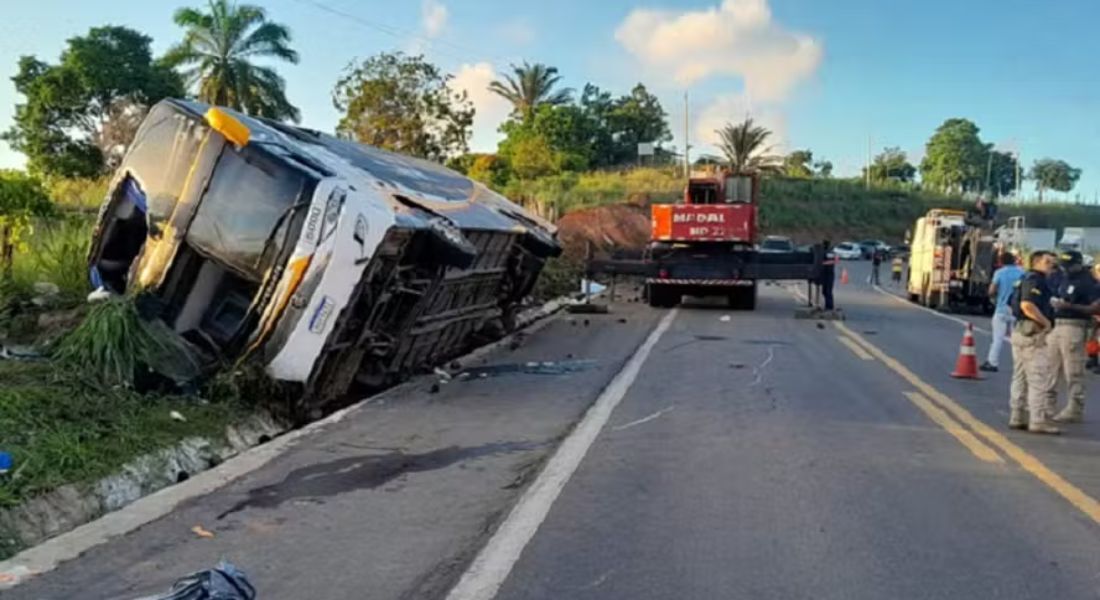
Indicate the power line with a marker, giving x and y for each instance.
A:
(405, 34)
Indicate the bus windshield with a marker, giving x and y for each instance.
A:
(248, 199)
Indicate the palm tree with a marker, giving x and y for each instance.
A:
(743, 145)
(532, 86)
(217, 51)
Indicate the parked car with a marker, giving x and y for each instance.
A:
(774, 244)
(868, 248)
(899, 250)
(848, 251)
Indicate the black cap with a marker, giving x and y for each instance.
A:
(1071, 258)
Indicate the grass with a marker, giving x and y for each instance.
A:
(62, 428)
(560, 277)
(115, 346)
(805, 208)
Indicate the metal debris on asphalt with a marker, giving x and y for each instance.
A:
(548, 367)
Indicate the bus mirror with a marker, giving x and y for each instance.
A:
(232, 129)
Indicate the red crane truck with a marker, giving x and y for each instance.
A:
(706, 246)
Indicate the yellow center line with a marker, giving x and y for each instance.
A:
(855, 348)
(1074, 495)
(952, 426)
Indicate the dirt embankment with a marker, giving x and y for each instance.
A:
(608, 228)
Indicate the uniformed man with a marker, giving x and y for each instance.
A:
(1033, 378)
(1075, 302)
(828, 274)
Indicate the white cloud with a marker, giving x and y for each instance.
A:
(734, 108)
(736, 38)
(491, 109)
(433, 17)
(518, 32)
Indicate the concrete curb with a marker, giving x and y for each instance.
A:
(48, 555)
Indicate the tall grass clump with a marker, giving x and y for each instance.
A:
(117, 347)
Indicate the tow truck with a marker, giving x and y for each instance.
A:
(706, 246)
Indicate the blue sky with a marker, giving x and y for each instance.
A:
(826, 75)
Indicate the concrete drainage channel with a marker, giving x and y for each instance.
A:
(66, 522)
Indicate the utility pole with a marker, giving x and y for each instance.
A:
(867, 168)
(1018, 175)
(687, 142)
(989, 172)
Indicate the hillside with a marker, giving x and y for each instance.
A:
(608, 209)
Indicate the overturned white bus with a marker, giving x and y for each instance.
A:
(328, 261)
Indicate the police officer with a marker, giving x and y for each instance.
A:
(1033, 379)
(1074, 302)
(828, 274)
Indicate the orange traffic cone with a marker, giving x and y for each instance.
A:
(844, 277)
(966, 367)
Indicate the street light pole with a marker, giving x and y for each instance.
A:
(687, 142)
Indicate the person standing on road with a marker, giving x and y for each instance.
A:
(828, 274)
(1033, 377)
(876, 262)
(1075, 302)
(895, 271)
(1092, 346)
(1000, 290)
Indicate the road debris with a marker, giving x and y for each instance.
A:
(201, 532)
(434, 389)
(224, 582)
(548, 367)
(725, 318)
(19, 353)
(645, 419)
(443, 374)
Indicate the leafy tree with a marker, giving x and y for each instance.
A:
(404, 104)
(823, 169)
(798, 164)
(218, 51)
(745, 147)
(1053, 174)
(532, 156)
(636, 118)
(530, 86)
(80, 114)
(491, 170)
(955, 158)
(21, 198)
(892, 164)
(1002, 173)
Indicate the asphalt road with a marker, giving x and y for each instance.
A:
(811, 475)
(755, 456)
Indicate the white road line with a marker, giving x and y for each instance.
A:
(645, 419)
(495, 561)
(962, 322)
